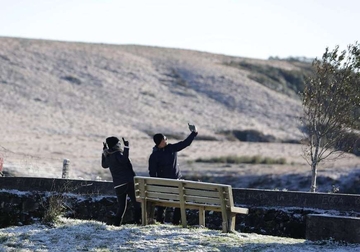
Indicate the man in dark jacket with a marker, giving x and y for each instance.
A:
(163, 164)
(123, 176)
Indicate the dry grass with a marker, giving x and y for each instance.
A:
(61, 100)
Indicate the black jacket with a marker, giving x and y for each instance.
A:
(163, 162)
(120, 165)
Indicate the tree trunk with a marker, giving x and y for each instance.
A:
(313, 176)
(314, 165)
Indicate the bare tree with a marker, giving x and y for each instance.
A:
(330, 98)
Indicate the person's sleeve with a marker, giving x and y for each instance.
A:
(131, 167)
(126, 151)
(183, 144)
(104, 162)
(152, 166)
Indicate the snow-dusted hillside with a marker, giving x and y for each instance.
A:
(61, 100)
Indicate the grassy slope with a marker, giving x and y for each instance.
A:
(60, 100)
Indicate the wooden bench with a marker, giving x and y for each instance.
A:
(186, 194)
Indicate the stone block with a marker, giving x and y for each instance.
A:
(330, 227)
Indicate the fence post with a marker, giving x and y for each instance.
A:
(65, 171)
(1, 166)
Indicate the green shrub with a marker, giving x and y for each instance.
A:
(54, 207)
(289, 82)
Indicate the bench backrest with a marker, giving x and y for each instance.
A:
(191, 194)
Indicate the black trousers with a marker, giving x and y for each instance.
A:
(160, 215)
(121, 193)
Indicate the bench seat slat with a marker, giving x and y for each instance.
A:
(188, 199)
(163, 203)
(202, 200)
(202, 193)
(192, 201)
(157, 181)
(203, 186)
(192, 206)
(193, 192)
(168, 196)
(187, 192)
(169, 189)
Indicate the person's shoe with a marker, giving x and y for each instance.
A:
(116, 224)
(161, 221)
(151, 221)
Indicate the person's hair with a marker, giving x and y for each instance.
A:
(158, 138)
(112, 141)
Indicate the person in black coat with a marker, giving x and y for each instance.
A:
(163, 164)
(123, 177)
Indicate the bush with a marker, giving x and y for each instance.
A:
(248, 136)
(53, 209)
(288, 82)
(55, 204)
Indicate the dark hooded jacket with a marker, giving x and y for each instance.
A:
(120, 165)
(163, 162)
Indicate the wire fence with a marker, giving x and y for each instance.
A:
(13, 163)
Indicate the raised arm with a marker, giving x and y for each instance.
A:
(126, 148)
(185, 143)
(104, 162)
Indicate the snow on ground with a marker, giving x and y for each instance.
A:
(80, 235)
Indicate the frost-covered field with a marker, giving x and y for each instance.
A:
(60, 100)
(79, 235)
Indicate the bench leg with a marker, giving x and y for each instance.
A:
(150, 213)
(147, 213)
(225, 221)
(225, 226)
(202, 217)
(231, 223)
(183, 217)
(144, 219)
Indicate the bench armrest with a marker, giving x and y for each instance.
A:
(239, 210)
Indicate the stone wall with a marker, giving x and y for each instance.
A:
(288, 199)
(325, 227)
(283, 213)
(24, 201)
